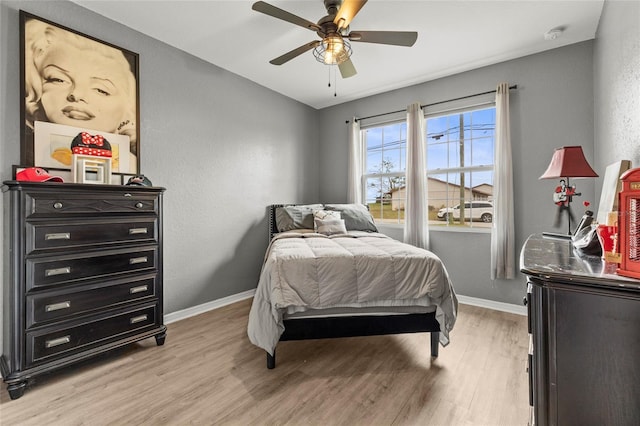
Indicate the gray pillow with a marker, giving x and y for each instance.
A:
(356, 216)
(295, 217)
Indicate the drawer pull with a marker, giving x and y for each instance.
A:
(58, 236)
(135, 260)
(139, 205)
(57, 271)
(139, 289)
(57, 306)
(137, 319)
(57, 342)
(134, 231)
(57, 205)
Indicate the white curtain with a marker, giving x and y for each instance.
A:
(356, 159)
(416, 224)
(502, 233)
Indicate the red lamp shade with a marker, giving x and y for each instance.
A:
(568, 161)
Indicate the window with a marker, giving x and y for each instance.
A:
(459, 168)
(386, 151)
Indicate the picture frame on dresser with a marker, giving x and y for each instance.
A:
(72, 83)
(611, 186)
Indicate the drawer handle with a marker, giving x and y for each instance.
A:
(57, 205)
(139, 205)
(135, 260)
(137, 319)
(57, 342)
(134, 231)
(57, 306)
(57, 271)
(58, 236)
(139, 289)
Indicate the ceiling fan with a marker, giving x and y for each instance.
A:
(334, 47)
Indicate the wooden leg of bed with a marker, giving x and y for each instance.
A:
(271, 360)
(435, 339)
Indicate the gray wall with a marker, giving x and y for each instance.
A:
(552, 107)
(617, 84)
(223, 146)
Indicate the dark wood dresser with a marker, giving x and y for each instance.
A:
(82, 274)
(584, 325)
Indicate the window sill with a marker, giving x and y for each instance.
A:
(439, 228)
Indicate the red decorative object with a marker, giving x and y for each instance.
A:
(608, 237)
(629, 224)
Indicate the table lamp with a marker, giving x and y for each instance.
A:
(567, 162)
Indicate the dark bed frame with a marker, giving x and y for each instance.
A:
(352, 326)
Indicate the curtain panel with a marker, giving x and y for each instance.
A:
(502, 231)
(356, 161)
(416, 219)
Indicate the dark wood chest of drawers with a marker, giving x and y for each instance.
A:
(82, 274)
(584, 325)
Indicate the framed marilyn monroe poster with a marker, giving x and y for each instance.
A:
(75, 84)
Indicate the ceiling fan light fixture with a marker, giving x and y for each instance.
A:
(333, 50)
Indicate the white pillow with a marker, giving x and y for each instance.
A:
(326, 214)
(319, 216)
(329, 226)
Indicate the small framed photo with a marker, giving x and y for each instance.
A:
(91, 169)
(611, 186)
(53, 147)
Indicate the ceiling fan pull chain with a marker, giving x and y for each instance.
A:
(335, 82)
(329, 85)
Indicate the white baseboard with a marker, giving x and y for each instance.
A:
(490, 304)
(219, 303)
(205, 307)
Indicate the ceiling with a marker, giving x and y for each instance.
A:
(453, 36)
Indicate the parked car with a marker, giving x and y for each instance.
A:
(473, 210)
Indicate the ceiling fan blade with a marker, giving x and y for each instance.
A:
(396, 38)
(276, 12)
(347, 11)
(347, 69)
(295, 52)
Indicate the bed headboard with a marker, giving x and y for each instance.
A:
(273, 229)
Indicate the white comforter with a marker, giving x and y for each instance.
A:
(312, 271)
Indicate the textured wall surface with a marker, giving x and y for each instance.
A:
(617, 84)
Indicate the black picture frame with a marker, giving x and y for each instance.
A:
(54, 94)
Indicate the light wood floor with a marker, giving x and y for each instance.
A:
(209, 373)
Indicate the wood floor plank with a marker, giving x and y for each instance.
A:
(209, 373)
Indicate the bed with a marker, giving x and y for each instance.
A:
(349, 280)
